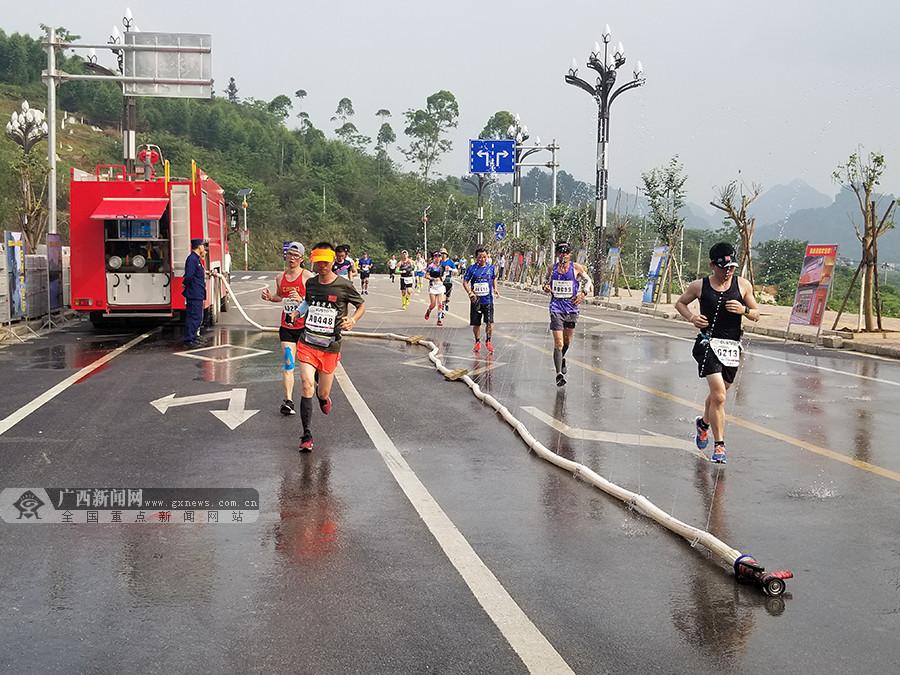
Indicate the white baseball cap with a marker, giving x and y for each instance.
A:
(296, 247)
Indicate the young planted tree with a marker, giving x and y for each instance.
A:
(861, 176)
(427, 130)
(664, 189)
(734, 200)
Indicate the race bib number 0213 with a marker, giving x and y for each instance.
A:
(562, 288)
(727, 351)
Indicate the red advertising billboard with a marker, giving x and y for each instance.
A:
(814, 285)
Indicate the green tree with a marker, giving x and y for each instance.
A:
(427, 128)
(280, 107)
(231, 91)
(664, 189)
(497, 125)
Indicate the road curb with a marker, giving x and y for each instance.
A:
(827, 341)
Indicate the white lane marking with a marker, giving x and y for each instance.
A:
(233, 417)
(195, 353)
(650, 439)
(13, 419)
(536, 652)
(245, 277)
(748, 353)
(261, 278)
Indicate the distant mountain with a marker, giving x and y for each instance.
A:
(832, 225)
(780, 201)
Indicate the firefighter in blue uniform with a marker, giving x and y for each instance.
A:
(194, 292)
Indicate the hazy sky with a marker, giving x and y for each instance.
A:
(779, 90)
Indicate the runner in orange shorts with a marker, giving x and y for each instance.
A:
(319, 349)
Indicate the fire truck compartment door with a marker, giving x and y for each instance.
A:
(138, 289)
(130, 208)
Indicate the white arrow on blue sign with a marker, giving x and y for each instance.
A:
(500, 231)
(492, 156)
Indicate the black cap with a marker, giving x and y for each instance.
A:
(562, 247)
(343, 247)
(197, 242)
(723, 255)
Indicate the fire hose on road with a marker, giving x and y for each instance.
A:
(745, 567)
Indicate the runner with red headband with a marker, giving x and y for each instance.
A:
(319, 350)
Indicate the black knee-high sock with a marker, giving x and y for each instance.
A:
(557, 360)
(565, 349)
(306, 413)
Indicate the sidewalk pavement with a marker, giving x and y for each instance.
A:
(773, 322)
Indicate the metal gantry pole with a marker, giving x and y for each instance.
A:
(554, 166)
(246, 239)
(51, 131)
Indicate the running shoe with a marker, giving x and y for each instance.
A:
(562, 368)
(325, 405)
(477, 347)
(287, 407)
(560, 380)
(440, 323)
(306, 443)
(428, 313)
(490, 347)
(718, 455)
(701, 438)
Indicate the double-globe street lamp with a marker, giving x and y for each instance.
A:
(605, 62)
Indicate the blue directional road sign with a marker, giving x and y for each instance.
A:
(500, 231)
(492, 156)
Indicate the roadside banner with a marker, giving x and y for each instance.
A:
(612, 264)
(814, 285)
(657, 264)
(15, 266)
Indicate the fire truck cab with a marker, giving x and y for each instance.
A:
(130, 236)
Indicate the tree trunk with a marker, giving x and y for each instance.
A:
(871, 265)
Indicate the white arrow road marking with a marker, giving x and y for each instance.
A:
(195, 353)
(648, 439)
(233, 417)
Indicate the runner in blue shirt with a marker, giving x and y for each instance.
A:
(365, 269)
(343, 266)
(449, 267)
(568, 284)
(480, 283)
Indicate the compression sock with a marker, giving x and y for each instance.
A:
(306, 413)
(703, 425)
(565, 349)
(557, 360)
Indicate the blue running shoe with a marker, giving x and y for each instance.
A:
(718, 455)
(702, 436)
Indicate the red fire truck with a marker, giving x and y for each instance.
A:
(130, 236)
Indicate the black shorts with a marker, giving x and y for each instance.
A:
(562, 321)
(708, 363)
(363, 275)
(477, 312)
(289, 334)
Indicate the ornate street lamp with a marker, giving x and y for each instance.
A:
(605, 62)
(27, 127)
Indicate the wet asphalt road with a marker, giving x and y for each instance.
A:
(340, 574)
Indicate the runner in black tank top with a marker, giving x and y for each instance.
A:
(724, 300)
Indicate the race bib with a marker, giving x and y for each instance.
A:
(481, 288)
(406, 281)
(321, 319)
(562, 288)
(291, 305)
(727, 351)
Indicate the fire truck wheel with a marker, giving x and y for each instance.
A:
(97, 320)
(211, 313)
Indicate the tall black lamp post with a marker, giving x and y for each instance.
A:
(605, 61)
